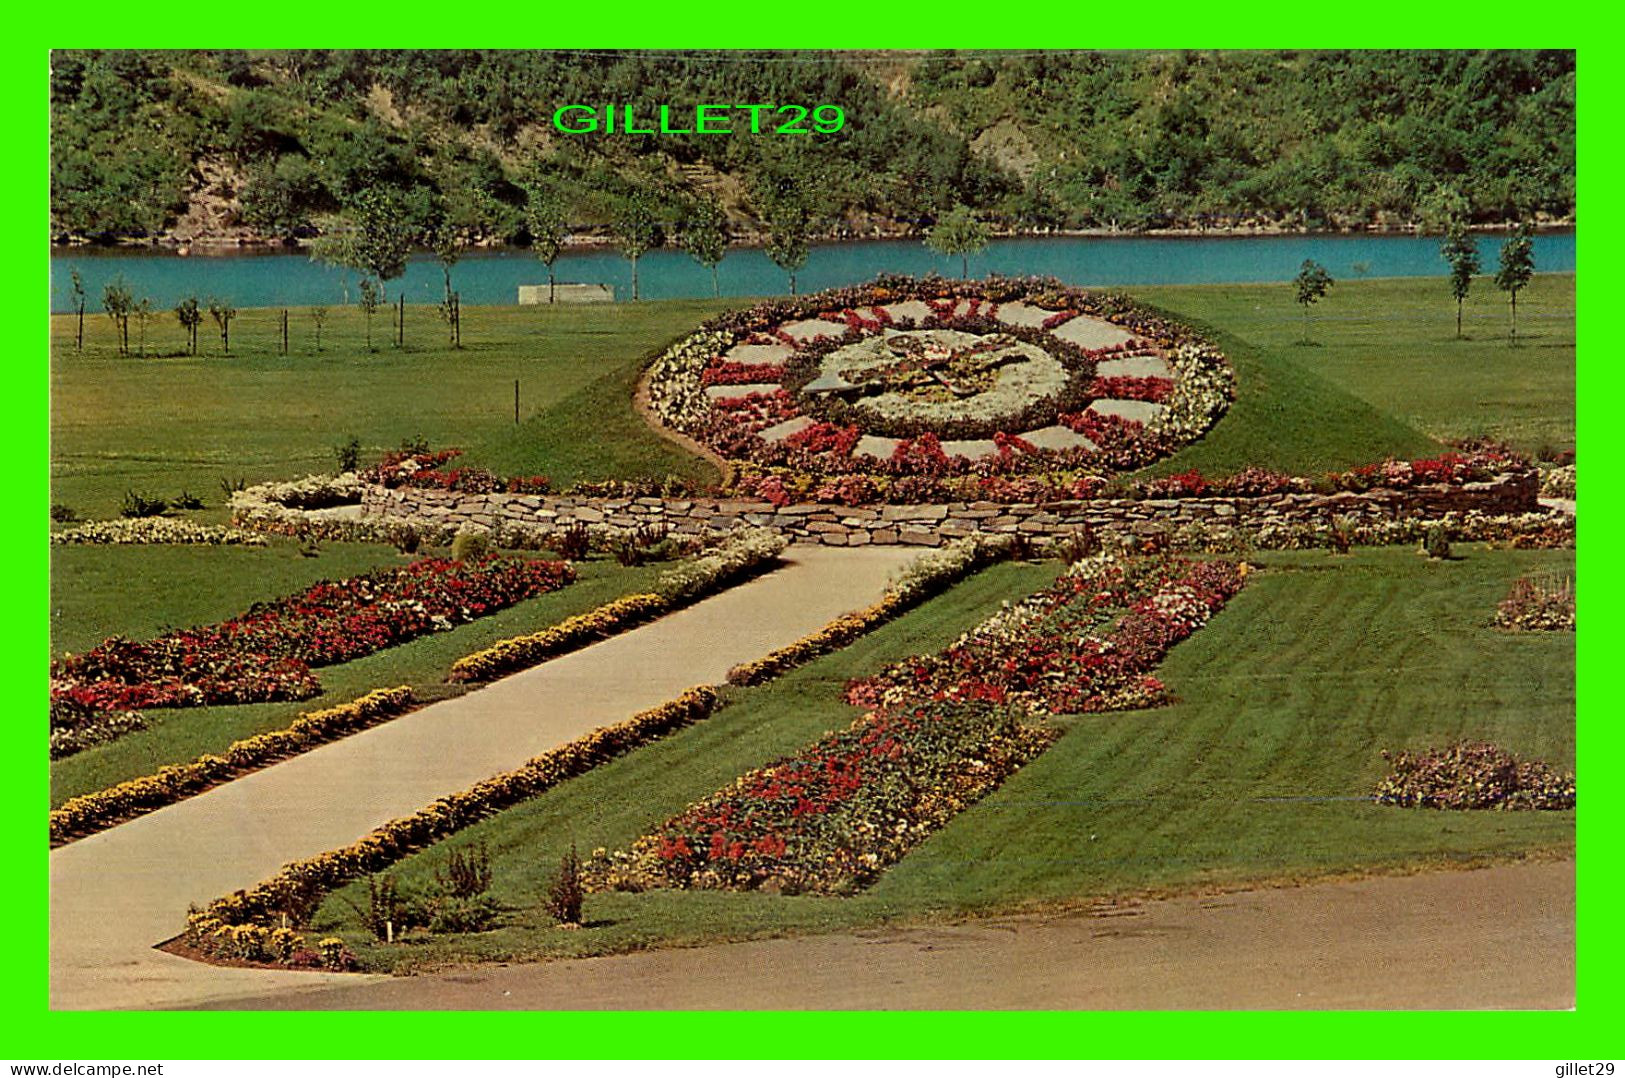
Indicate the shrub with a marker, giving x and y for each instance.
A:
(476, 913)
(471, 544)
(1473, 775)
(139, 505)
(565, 896)
(63, 514)
(187, 500)
(348, 454)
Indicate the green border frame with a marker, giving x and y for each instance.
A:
(40, 1034)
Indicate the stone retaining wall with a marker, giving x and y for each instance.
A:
(930, 525)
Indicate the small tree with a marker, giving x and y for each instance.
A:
(369, 293)
(1312, 283)
(1517, 267)
(958, 233)
(223, 312)
(565, 897)
(545, 221)
(143, 315)
(318, 315)
(78, 292)
(190, 316)
(788, 224)
(373, 238)
(637, 229)
(1460, 250)
(704, 234)
(118, 301)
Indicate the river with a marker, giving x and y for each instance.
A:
(278, 278)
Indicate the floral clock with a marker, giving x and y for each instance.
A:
(910, 389)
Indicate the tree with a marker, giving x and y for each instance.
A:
(223, 312)
(373, 238)
(1312, 282)
(958, 232)
(119, 302)
(1461, 251)
(637, 229)
(190, 316)
(788, 224)
(78, 292)
(1440, 209)
(143, 315)
(546, 223)
(703, 232)
(1517, 266)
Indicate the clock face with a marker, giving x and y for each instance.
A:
(1033, 378)
(935, 375)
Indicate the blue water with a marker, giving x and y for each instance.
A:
(276, 279)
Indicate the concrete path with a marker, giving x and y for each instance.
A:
(1501, 937)
(116, 894)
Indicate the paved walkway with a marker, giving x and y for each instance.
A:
(1493, 938)
(116, 894)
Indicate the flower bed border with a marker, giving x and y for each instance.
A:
(87, 814)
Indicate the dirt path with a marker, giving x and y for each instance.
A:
(116, 894)
(1500, 937)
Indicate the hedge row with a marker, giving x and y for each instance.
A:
(927, 576)
(737, 558)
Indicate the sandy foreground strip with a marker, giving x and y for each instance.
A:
(1490, 938)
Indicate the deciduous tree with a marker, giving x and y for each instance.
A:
(1461, 251)
(1517, 267)
(958, 233)
(1311, 283)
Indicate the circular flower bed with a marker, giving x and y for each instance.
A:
(911, 390)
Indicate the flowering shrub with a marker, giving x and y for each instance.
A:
(520, 652)
(87, 814)
(1537, 605)
(294, 890)
(1472, 775)
(740, 555)
(267, 653)
(150, 530)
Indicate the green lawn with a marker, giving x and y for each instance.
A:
(163, 424)
(1259, 771)
(139, 591)
(1392, 343)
